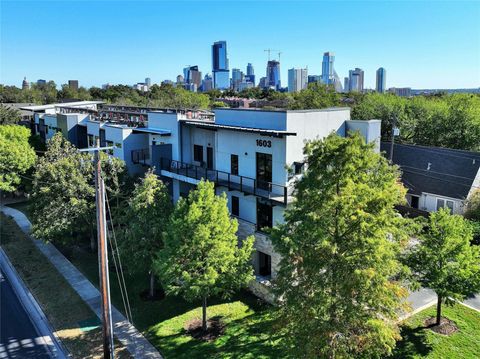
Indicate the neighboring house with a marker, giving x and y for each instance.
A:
(436, 177)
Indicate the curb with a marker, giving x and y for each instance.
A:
(33, 310)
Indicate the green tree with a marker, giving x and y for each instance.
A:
(339, 279)
(16, 155)
(148, 213)
(445, 261)
(315, 96)
(201, 257)
(62, 193)
(9, 115)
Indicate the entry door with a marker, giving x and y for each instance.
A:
(264, 170)
(210, 158)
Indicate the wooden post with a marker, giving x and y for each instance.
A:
(103, 260)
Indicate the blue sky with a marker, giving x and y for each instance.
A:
(422, 44)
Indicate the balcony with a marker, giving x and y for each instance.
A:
(141, 156)
(250, 186)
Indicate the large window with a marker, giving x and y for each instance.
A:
(234, 164)
(198, 153)
(264, 214)
(264, 170)
(235, 206)
(444, 203)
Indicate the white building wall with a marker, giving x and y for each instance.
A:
(428, 202)
(167, 121)
(309, 125)
(51, 122)
(269, 120)
(244, 145)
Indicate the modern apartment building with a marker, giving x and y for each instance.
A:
(253, 156)
(356, 80)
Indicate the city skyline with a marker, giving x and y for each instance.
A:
(417, 61)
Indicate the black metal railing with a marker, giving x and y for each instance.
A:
(141, 156)
(272, 191)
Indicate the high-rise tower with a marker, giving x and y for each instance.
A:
(221, 74)
(381, 80)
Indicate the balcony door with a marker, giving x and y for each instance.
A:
(264, 170)
(210, 158)
(264, 214)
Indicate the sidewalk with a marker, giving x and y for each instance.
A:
(127, 334)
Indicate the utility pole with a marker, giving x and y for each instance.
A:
(107, 326)
(395, 132)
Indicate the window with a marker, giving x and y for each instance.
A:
(109, 144)
(198, 153)
(264, 264)
(440, 203)
(118, 145)
(234, 164)
(298, 167)
(450, 205)
(91, 141)
(443, 203)
(264, 214)
(235, 206)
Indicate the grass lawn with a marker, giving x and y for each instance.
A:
(250, 331)
(421, 342)
(73, 321)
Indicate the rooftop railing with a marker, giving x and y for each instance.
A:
(247, 185)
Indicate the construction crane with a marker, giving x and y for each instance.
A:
(269, 51)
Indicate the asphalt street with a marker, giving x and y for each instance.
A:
(18, 336)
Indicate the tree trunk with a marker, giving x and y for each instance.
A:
(152, 284)
(439, 309)
(204, 314)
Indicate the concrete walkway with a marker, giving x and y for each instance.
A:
(127, 334)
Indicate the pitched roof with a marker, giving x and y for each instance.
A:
(442, 171)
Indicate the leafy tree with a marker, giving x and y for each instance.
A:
(9, 115)
(339, 279)
(62, 191)
(147, 216)
(16, 155)
(315, 96)
(201, 257)
(444, 260)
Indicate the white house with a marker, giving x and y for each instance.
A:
(436, 177)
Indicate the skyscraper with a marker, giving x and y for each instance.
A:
(25, 84)
(250, 76)
(381, 80)
(207, 83)
(148, 81)
(273, 75)
(346, 84)
(355, 80)
(73, 84)
(192, 76)
(237, 78)
(297, 79)
(329, 75)
(221, 77)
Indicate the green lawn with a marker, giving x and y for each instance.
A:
(421, 342)
(250, 332)
(65, 310)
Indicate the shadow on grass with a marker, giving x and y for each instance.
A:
(413, 343)
(254, 336)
